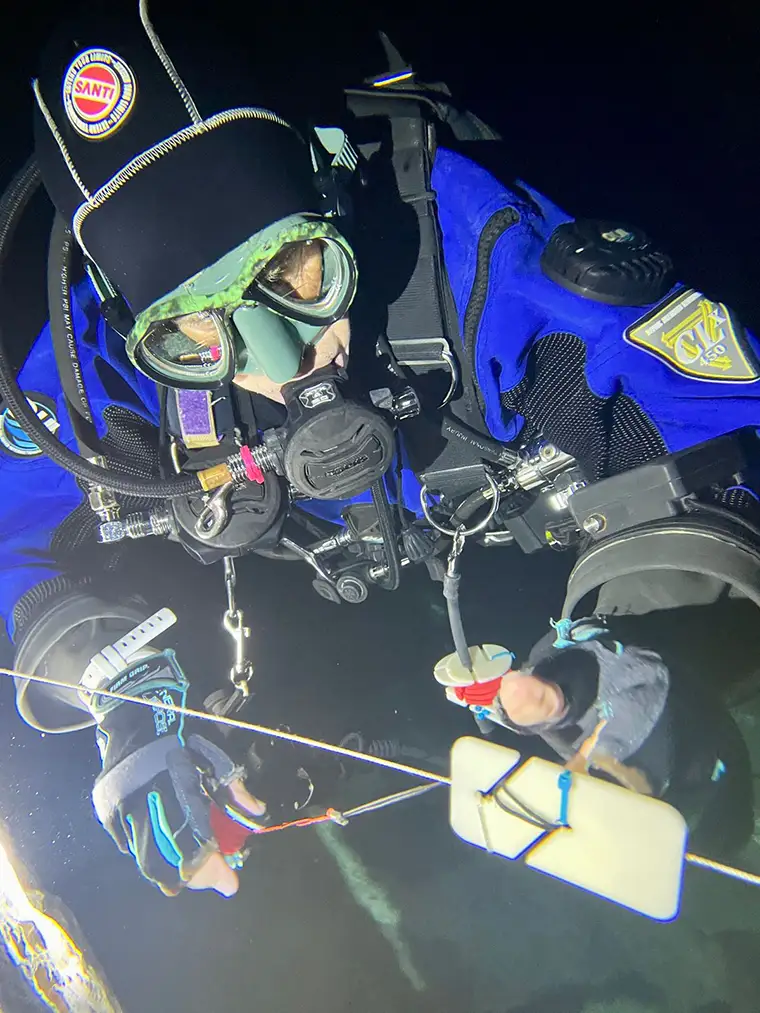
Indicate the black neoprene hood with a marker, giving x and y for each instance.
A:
(157, 182)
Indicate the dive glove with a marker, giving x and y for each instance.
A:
(154, 794)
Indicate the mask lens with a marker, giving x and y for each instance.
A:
(191, 350)
(296, 272)
(312, 279)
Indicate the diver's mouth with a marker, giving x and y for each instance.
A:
(309, 361)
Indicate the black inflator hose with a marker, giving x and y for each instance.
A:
(12, 205)
(471, 505)
(14, 200)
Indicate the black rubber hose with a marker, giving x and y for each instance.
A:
(390, 543)
(279, 552)
(164, 452)
(14, 201)
(451, 594)
(64, 340)
(12, 205)
(471, 505)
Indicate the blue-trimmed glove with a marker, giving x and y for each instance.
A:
(153, 795)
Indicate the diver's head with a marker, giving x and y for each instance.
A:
(176, 191)
(538, 698)
(530, 700)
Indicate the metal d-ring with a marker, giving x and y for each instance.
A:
(447, 358)
(463, 532)
(450, 361)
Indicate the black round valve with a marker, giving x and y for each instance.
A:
(607, 262)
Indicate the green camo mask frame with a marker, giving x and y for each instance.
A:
(260, 332)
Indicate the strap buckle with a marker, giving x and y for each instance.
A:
(427, 353)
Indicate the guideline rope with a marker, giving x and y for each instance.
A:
(304, 740)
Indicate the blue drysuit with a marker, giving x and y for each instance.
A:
(683, 370)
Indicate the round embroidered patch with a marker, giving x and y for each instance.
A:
(99, 92)
(13, 439)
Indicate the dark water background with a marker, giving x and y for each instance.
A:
(624, 115)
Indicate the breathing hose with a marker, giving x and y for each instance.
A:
(15, 198)
(12, 205)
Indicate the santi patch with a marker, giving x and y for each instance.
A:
(697, 337)
(13, 439)
(99, 92)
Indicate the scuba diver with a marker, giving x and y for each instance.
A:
(339, 339)
(594, 701)
(622, 710)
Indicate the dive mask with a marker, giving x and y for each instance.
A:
(256, 310)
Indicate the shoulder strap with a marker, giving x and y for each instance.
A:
(422, 331)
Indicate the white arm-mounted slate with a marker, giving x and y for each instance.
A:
(624, 847)
(107, 664)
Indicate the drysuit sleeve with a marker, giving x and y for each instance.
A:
(59, 643)
(37, 496)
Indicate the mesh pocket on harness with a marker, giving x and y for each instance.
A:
(605, 435)
(131, 446)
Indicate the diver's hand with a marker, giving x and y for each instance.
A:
(154, 795)
(578, 764)
(629, 777)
